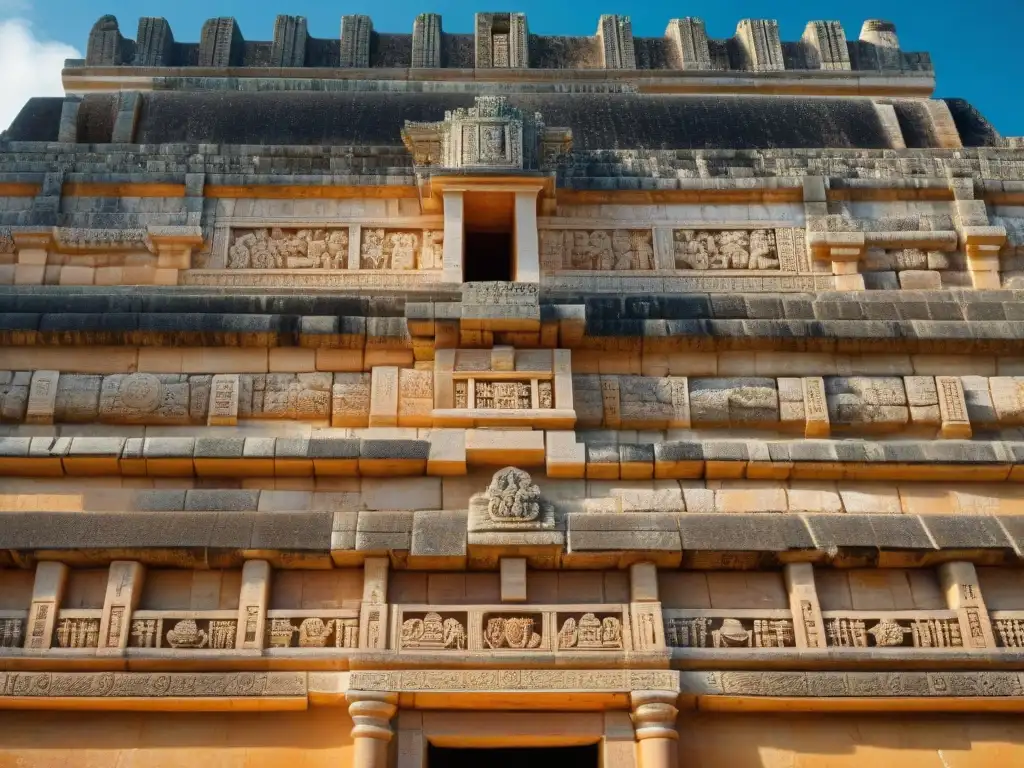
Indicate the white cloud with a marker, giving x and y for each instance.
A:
(28, 66)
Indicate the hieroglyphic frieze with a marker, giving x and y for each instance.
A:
(725, 249)
(155, 685)
(78, 632)
(853, 684)
(12, 633)
(516, 680)
(183, 633)
(278, 248)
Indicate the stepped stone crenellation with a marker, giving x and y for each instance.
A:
(503, 41)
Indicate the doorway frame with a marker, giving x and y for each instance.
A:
(612, 731)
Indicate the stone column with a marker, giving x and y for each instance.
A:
(124, 589)
(527, 239)
(654, 718)
(47, 594)
(808, 626)
(371, 713)
(963, 595)
(253, 600)
(453, 236)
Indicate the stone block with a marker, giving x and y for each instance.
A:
(384, 531)
(223, 408)
(415, 398)
(42, 397)
(421, 493)
(489, 447)
(384, 396)
(743, 496)
(953, 411)
(879, 402)
(733, 401)
(643, 583)
(564, 456)
(77, 399)
(350, 400)
(447, 452)
(438, 539)
(513, 580)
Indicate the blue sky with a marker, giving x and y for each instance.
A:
(975, 45)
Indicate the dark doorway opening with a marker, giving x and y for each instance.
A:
(513, 757)
(488, 257)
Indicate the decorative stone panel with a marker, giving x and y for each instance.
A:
(616, 36)
(732, 630)
(426, 41)
(501, 41)
(356, 31)
(279, 248)
(690, 39)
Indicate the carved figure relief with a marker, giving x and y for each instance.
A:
(186, 634)
(431, 632)
(512, 495)
(78, 633)
(313, 632)
(600, 249)
(708, 632)
(288, 249)
(512, 395)
(515, 632)
(433, 249)
(390, 249)
(589, 632)
(11, 632)
(725, 249)
(894, 633)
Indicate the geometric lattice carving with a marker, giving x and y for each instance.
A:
(758, 42)
(616, 36)
(289, 42)
(501, 41)
(426, 40)
(221, 43)
(691, 42)
(355, 41)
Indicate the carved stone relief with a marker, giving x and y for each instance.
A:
(1009, 632)
(503, 394)
(887, 632)
(725, 249)
(398, 249)
(430, 631)
(313, 632)
(146, 398)
(590, 632)
(513, 632)
(716, 632)
(78, 633)
(183, 634)
(512, 502)
(598, 249)
(12, 633)
(278, 248)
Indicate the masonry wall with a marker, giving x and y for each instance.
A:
(316, 738)
(714, 740)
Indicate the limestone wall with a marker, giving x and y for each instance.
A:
(317, 738)
(713, 740)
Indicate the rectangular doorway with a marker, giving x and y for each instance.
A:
(513, 757)
(488, 256)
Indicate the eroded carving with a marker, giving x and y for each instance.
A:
(599, 249)
(183, 634)
(391, 249)
(313, 632)
(1009, 632)
(894, 633)
(12, 632)
(430, 631)
(513, 496)
(725, 249)
(279, 248)
(715, 632)
(78, 633)
(146, 685)
(514, 632)
(590, 632)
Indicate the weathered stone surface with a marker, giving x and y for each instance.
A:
(733, 401)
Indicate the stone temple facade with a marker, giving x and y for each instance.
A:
(654, 402)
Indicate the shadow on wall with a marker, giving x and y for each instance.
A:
(709, 740)
(315, 738)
